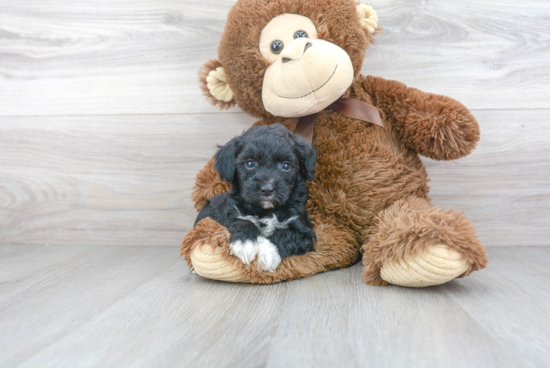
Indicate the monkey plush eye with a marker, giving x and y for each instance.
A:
(250, 164)
(300, 34)
(277, 46)
(285, 166)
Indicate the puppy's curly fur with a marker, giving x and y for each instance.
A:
(265, 210)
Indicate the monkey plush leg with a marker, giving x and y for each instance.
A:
(412, 244)
(206, 249)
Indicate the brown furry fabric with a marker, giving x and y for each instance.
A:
(432, 125)
(409, 226)
(370, 188)
(336, 21)
(208, 184)
(207, 232)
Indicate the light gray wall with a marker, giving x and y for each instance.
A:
(103, 128)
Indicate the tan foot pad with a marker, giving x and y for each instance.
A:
(210, 263)
(437, 265)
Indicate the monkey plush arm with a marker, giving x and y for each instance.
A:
(207, 184)
(433, 125)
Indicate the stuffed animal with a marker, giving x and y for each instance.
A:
(298, 62)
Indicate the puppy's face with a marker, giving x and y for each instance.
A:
(267, 172)
(264, 163)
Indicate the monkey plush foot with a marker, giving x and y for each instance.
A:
(209, 262)
(206, 250)
(413, 244)
(434, 266)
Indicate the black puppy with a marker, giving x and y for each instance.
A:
(265, 210)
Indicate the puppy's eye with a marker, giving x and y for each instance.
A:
(277, 46)
(250, 164)
(300, 34)
(285, 166)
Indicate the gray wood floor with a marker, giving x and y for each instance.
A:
(103, 128)
(80, 306)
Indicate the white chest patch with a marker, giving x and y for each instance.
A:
(268, 225)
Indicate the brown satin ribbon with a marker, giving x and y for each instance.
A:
(349, 107)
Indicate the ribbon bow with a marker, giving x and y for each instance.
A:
(349, 107)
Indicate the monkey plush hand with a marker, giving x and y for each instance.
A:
(291, 62)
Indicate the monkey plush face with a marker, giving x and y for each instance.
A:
(288, 58)
(296, 83)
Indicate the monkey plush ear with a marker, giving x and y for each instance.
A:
(213, 83)
(368, 18)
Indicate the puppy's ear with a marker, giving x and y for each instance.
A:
(307, 157)
(225, 159)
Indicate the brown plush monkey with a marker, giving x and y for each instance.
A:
(283, 60)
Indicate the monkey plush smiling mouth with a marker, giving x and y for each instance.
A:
(296, 83)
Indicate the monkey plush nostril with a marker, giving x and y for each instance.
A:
(286, 60)
(308, 45)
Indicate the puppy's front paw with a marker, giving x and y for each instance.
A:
(268, 255)
(245, 250)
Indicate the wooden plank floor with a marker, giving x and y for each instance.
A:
(137, 307)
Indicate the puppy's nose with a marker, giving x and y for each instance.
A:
(267, 189)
